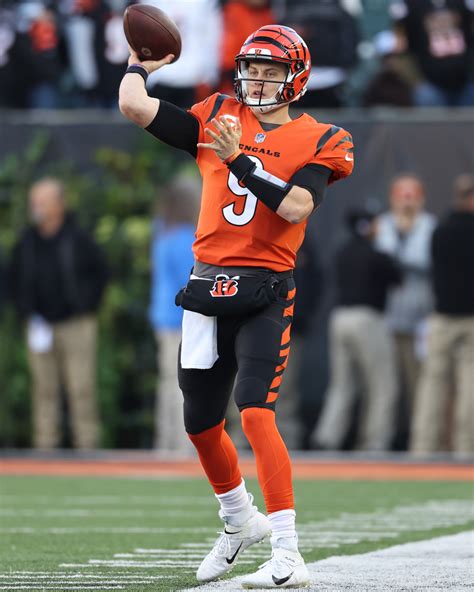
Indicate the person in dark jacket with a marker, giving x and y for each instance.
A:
(438, 35)
(450, 333)
(360, 345)
(57, 275)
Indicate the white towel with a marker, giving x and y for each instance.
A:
(199, 341)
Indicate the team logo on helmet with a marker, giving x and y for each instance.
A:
(225, 286)
(272, 44)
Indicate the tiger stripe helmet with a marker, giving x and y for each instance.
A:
(279, 44)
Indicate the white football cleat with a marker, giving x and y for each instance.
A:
(285, 569)
(232, 542)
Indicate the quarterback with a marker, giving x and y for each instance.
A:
(264, 172)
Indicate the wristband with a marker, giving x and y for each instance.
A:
(232, 157)
(138, 69)
(240, 166)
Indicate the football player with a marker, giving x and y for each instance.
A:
(264, 172)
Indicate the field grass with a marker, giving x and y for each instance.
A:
(142, 534)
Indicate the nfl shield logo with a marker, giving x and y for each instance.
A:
(259, 138)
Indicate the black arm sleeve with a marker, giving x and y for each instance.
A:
(272, 190)
(175, 127)
(314, 178)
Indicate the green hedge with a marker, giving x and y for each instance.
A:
(114, 200)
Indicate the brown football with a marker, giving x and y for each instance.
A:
(151, 33)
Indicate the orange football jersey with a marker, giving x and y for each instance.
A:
(234, 227)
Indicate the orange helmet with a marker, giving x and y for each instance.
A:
(273, 43)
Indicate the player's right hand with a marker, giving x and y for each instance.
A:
(150, 65)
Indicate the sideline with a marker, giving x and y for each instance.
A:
(444, 563)
(142, 465)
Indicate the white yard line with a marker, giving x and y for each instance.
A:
(123, 500)
(91, 513)
(35, 584)
(61, 587)
(436, 565)
(344, 529)
(104, 530)
(86, 577)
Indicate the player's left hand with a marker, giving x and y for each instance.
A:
(226, 142)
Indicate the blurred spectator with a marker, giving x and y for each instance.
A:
(196, 72)
(308, 277)
(31, 62)
(240, 18)
(360, 345)
(451, 332)
(330, 29)
(97, 49)
(57, 276)
(111, 50)
(405, 233)
(8, 76)
(392, 84)
(75, 52)
(439, 35)
(172, 260)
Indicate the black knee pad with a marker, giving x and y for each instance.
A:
(252, 391)
(198, 418)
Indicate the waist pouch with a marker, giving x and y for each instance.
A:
(224, 295)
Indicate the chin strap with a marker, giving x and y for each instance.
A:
(265, 109)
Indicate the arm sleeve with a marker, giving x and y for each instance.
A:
(314, 178)
(272, 190)
(176, 127)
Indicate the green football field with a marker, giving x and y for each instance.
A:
(76, 533)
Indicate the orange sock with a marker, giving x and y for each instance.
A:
(218, 458)
(271, 455)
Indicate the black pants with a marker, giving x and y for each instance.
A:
(253, 351)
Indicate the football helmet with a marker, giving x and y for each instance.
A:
(273, 43)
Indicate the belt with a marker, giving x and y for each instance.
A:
(207, 270)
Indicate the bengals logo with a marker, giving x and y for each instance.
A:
(225, 286)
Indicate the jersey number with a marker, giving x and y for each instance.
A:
(250, 205)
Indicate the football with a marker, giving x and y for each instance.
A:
(151, 33)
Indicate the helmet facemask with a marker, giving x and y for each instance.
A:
(283, 95)
(271, 93)
(272, 45)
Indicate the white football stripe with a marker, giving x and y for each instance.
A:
(176, 500)
(439, 564)
(91, 513)
(103, 530)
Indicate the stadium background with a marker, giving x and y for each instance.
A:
(113, 170)
(114, 173)
(139, 520)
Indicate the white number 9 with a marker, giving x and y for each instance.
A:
(250, 200)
